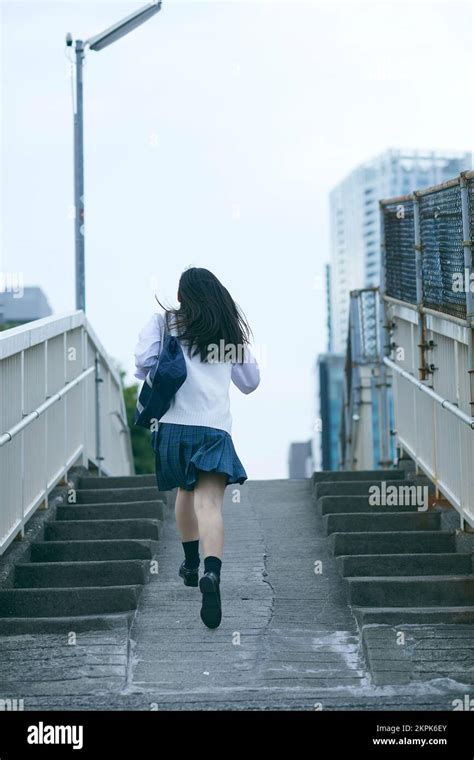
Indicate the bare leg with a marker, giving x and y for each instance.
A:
(185, 516)
(208, 498)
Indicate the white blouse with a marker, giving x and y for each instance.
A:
(203, 399)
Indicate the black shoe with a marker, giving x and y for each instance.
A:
(211, 612)
(190, 576)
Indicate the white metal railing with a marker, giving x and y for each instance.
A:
(433, 418)
(61, 404)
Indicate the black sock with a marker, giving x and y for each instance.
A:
(213, 565)
(191, 554)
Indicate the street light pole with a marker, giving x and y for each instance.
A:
(79, 182)
(99, 42)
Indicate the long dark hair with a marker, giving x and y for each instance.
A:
(208, 315)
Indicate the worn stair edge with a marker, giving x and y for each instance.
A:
(117, 481)
(413, 615)
(94, 550)
(16, 626)
(89, 529)
(353, 504)
(419, 591)
(401, 669)
(69, 574)
(116, 495)
(110, 511)
(334, 476)
(392, 542)
(67, 602)
(377, 565)
(368, 522)
(392, 663)
(352, 487)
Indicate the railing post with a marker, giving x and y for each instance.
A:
(65, 404)
(22, 447)
(383, 350)
(467, 249)
(419, 288)
(98, 448)
(84, 458)
(46, 451)
(384, 339)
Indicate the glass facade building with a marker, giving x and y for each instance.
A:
(354, 219)
(329, 384)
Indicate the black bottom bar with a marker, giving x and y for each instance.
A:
(374, 734)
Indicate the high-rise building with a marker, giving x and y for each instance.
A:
(354, 211)
(329, 397)
(18, 306)
(299, 460)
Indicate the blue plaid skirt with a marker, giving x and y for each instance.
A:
(182, 450)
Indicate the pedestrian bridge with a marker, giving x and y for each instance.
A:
(92, 613)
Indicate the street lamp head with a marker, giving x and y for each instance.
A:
(69, 39)
(123, 27)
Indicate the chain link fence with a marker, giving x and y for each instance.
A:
(428, 223)
(400, 266)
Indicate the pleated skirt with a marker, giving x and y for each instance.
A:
(181, 451)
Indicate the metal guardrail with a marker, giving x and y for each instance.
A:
(427, 241)
(61, 404)
(444, 403)
(427, 246)
(410, 371)
(16, 429)
(434, 427)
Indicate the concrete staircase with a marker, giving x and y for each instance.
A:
(94, 558)
(399, 564)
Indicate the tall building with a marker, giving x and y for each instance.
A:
(299, 460)
(354, 219)
(329, 384)
(25, 305)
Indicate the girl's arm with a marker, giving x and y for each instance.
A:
(246, 375)
(148, 346)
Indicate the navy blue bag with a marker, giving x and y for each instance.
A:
(161, 383)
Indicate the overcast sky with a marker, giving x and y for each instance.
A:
(213, 135)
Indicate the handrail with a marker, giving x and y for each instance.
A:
(10, 434)
(430, 392)
(26, 336)
(55, 359)
(420, 193)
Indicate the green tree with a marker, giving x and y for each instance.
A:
(143, 454)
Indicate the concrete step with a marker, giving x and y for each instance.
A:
(80, 530)
(429, 652)
(148, 509)
(116, 495)
(348, 504)
(63, 602)
(351, 487)
(421, 591)
(393, 542)
(90, 551)
(128, 572)
(336, 476)
(17, 626)
(376, 522)
(371, 565)
(413, 615)
(118, 481)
